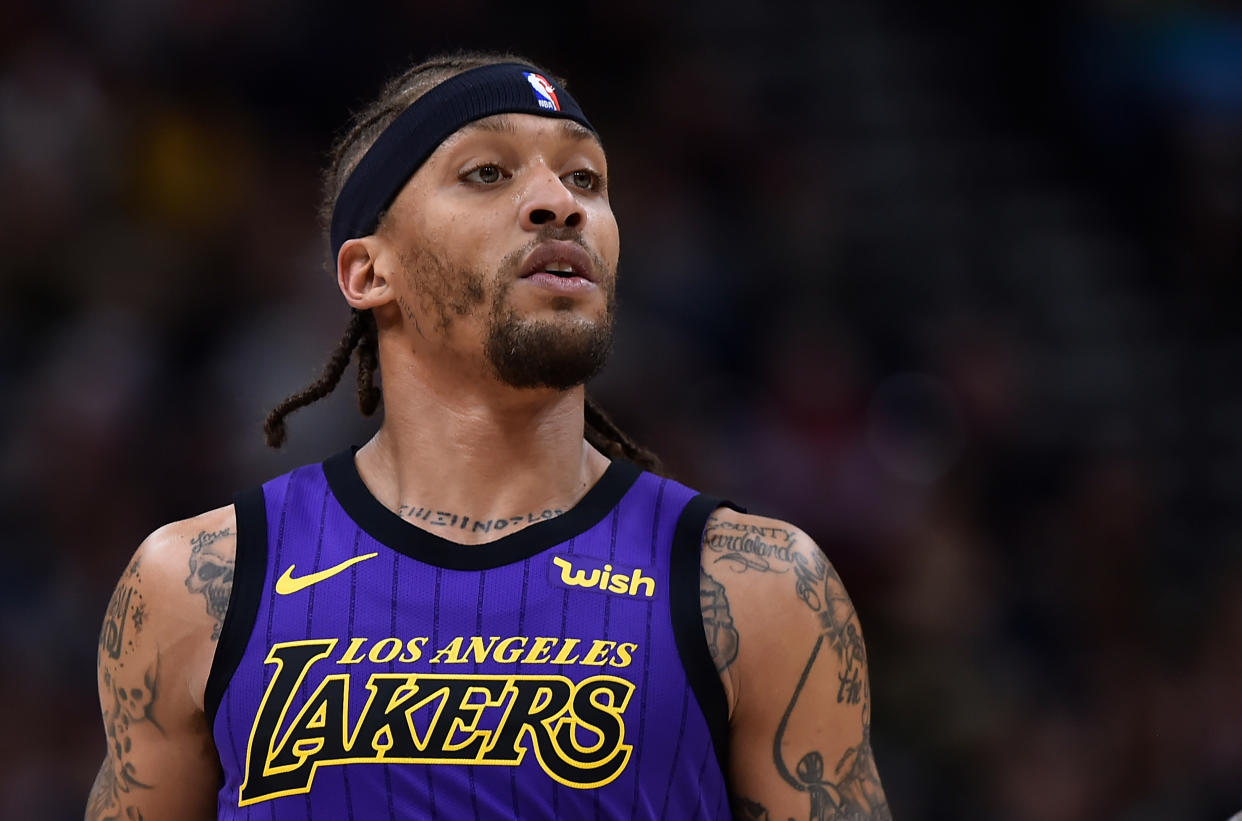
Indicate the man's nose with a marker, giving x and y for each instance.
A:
(548, 201)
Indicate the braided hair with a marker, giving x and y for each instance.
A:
(361, 333)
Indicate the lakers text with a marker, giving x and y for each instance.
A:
(575, 729)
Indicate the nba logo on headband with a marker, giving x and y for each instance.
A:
(407, 142)
(545, 94)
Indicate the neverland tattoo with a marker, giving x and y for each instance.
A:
(444, 518)
(211, 574)
(747, 547)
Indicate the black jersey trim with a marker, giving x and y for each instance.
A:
(249, 569)
(687, 615)
(390, 529)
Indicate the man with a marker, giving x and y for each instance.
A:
(488, 610)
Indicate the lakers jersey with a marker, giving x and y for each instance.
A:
(372, 669)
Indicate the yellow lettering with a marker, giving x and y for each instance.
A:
(646, 582)
(562, 656)
(351, 656)
(385, 650)
(506, 656)
(629, 584)
(450, 653)
(576, 578)
(623, 657)
(540, 650)
(413, 649)
(481, 651)
(576, 731)
(598, 654)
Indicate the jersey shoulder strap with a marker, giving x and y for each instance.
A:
(249, 568)
(687, 614)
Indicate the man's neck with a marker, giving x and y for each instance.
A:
(484, 451)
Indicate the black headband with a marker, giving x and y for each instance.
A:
(410, 139)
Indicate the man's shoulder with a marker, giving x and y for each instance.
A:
(170, 548)
(168, 605)
(749, 543)
(180, 568)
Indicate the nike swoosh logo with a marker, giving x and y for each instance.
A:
(286, 584)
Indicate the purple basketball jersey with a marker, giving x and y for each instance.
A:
(371, 669)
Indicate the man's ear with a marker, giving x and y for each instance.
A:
(363, 282)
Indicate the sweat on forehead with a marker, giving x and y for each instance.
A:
(464, 99)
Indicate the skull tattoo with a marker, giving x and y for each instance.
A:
(211, 573)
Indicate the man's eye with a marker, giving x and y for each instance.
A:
(585, 179)
(486, 174)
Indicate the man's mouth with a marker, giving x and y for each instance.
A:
(561, 259)
(561, 269)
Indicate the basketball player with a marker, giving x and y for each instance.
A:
(490, 609)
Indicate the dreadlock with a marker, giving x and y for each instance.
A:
(604, 435)
(361, 333)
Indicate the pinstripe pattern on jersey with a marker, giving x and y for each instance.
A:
(399, 614)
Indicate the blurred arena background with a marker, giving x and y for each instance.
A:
(958, 293)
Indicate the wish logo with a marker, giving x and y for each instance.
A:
(545, 94)
(595, 574)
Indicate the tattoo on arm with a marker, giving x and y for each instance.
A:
(851, 790)
(717, 621)
(774, 549)
(749, 547)
(125, 616)
(211, 574)
(132, 706)
(746, 809)
(820, 588)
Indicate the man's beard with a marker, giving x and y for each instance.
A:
(558, 353)
(528, 353)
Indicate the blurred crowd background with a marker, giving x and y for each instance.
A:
(956, 292)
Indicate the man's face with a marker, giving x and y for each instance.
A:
(504, 249)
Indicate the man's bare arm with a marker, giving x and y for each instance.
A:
(155, 651)
(788, 645)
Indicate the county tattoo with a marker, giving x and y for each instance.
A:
(750, 547)
(851, 788)
(774, 549)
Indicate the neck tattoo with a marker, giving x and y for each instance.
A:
(445, 518)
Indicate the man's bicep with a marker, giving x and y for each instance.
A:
(813, 761)
(800, 729)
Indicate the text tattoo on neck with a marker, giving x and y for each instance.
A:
(445, 518)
